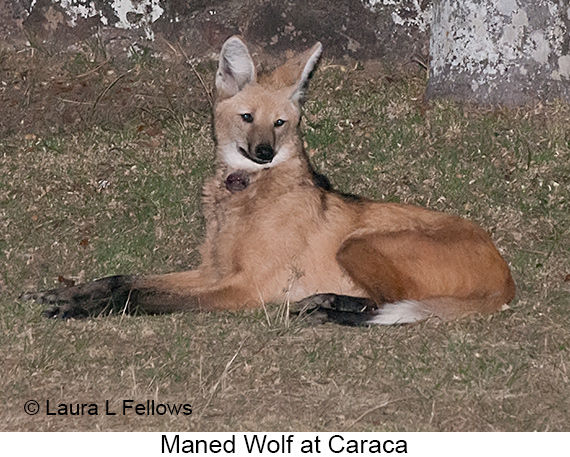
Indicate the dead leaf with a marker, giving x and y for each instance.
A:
(66, 282)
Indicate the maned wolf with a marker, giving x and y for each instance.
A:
(276, 230)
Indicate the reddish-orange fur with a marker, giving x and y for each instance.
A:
(286, 236)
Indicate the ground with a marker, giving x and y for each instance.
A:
(102, 161)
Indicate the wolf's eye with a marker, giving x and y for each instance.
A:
(247, 117)
(279, 123)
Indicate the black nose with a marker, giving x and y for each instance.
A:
(264, 153)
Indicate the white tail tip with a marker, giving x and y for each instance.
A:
(401, 312)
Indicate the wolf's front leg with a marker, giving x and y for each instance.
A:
(106, 295)
(122, 294)
(159, 294)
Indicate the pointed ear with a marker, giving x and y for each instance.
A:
(235, 68)
(296, 71)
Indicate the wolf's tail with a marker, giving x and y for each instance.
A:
(410, 311)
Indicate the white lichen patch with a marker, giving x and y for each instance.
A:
(564, 66)
(520, 19)
(507, 7)
(398, 20)
(541, 51)
(420, 19)
(129, 14)
(563, 70)
(145, 12)
(78, 9)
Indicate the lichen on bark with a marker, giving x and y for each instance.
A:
(500, 51)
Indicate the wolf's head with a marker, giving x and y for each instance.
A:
(256, 118)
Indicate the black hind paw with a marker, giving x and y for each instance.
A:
(341, 309)
(342, 303)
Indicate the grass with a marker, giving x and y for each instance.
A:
(101, 167)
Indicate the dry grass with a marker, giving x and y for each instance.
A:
(100, 173)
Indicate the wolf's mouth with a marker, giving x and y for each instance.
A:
(258, 160)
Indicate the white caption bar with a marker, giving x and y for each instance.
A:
(295, 444)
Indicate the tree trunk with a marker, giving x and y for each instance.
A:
(494, 52)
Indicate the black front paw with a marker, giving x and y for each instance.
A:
(108, 294)
(65, 312)
(62, 303)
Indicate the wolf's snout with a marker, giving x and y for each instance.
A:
(264, 153)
